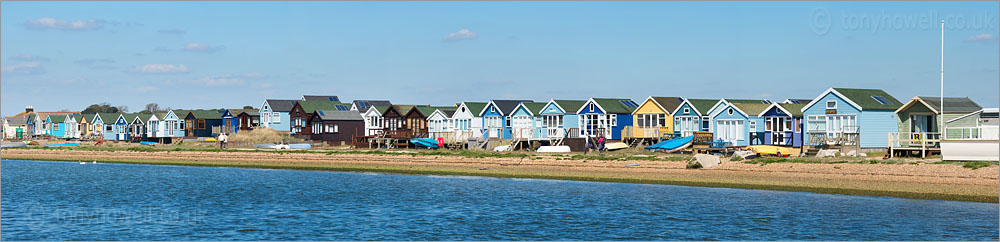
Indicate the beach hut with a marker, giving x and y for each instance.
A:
(851, 117)
(919, 123)
(363, 105)
(249, 119)
(302, 111)
(737, 121)
(692, 116)
(468, 121)
(559, 119)
(163, 127)
(606, 117)
(104, 125)
(440, 124)
(526, 121)
(121, 127)
(783, 124)
(972, 137)
(72, 127)
(373, 120)
(274, 114)
(204, 122)
(653, 119)
(15, 127)
(417, 117)
(83, 125)
(336, 127)
(57, 125)
(394, 122)
(496, 118)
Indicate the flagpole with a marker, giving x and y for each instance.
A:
(941, 115)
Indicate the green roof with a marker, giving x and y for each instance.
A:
(747, 101)
(865, 98)
(402, 108)
(428, 110)
(795, 109)
(475, 107)
(536, 108)
(570, 106)
(58, 118)
(379, 109)
(108, 117)
(752, 109)
(80, 118)
(614, 105)
(205, 114)
(703, 105)
(312, 106)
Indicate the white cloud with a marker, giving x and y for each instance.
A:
(202, 47)
(462, 34)
(172, 31)
(62, 24)
(24, 68)
(981, 37)
(160, 68)
(29, 58)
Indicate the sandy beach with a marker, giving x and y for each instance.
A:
(911, 180)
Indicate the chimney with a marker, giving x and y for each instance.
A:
(29, 109)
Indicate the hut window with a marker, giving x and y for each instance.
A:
(508, 122)
(276, 117)
(753, 125)
(315, 128)
(613, 119)
(730, 111)
(591, 107)
(201, 124)
(687, 110)
(832, 104)
(336, 128)
(493, 109)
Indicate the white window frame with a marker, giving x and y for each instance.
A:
(276, 117)
(834, 102)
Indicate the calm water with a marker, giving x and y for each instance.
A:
(69, 201)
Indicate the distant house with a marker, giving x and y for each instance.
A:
(16, 128)
(467, 120)
(121, 127)
(363, 105)
(164, 126)
(84, 126)
(867, 115)
(606, 117)
(336, 127)
(394, 121)
(274, 114)
(496, 118)
(559, 118)
(921, 117)
(104, 129)
(653, 119)
(57, 125)
(320, 98)
(783, 124)
(203, 122)
(302, 111)
(137, 126)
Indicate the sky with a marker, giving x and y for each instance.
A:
(68, 55)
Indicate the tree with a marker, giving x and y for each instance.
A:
(122, 108)
(102, 108)
(153, 108)
(248, 107)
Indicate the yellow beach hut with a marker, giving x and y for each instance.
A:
(653, 119)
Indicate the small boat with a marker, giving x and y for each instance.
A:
(300, 146)
(554, 149)
(770, 150)
(211, 139)
(62, 145)
(425, 142)
(615, 146)
(264, 146)
(147, 143)
(13, 144)
(672, 145)
(501, 148)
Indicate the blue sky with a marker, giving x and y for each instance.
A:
(67, 55)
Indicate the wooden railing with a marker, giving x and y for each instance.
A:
(922, 140)
(646, 132)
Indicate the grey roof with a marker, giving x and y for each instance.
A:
(320, 98)
(448, 113)
(961, 105)
(14, 121)
(669, 104)
(281, 105)
(508, 106)
(339, 115)
(364, 104)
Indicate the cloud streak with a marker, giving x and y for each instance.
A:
(24, 68)
(29, 58)
(202, 47)
(159, 69)
(981, 38)
(463, 34)
(62, 24)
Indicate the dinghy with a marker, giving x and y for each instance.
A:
(615, 146)
(672, 145)
(13, 144)
(425, 142)
(62, 145)
(554, 149)
(300, 146)
(501, 148)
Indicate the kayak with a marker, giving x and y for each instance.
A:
(554, 149)
(672, 145)
(211, 139)
(501, 148)
(147, 143)
(770, 150)
(62, 145)
(265, 146)
(300, 146)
